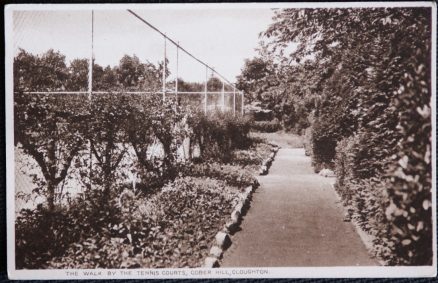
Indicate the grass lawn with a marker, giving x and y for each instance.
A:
(281, 138)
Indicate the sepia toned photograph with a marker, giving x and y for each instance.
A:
(221, 140)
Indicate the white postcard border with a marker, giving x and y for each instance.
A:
(276, 272)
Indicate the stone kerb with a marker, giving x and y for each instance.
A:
(222, 239)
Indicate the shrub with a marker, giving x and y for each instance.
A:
(217, 134)
(173, 228)
(106, 131)
(50, 131)
(155, 121)
(42, 234)
(410, 210)
(323, 146)
(267, 126)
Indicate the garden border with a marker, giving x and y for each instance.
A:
(222, 239)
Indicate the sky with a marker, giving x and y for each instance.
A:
(221, 37)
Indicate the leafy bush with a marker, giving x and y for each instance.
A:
(410, 210)
(174, 228)
(218, 133)
(42, 234)
(323, 145)
(153, 121)
(369, 87)
(106, 131)
(267, 126)
(252, 157)
(52, 133)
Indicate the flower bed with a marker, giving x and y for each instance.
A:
(251, 158)
(174, 228)
(171, 227)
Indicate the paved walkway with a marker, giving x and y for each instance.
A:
(295, 220)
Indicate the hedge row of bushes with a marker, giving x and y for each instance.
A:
(377, 137)
(58, 133)
(57, 130)
(218, 133)
(267, 126)
(172, 228)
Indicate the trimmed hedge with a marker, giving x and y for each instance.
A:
(372, 124)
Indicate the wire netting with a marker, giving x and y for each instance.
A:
(128, 57)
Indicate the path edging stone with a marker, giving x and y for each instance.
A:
(266, 164)
(222, 239)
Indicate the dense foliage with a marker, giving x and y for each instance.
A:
(159, 218)
(171, 229)
(361, 78)
(218, 133)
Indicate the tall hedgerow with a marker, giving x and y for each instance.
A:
(371, 118)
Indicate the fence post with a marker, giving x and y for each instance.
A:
(90, 63)
(164, 70)
(241, 93)
(176, 78)
(205, 89)
(234, 100)
(223, 96)
(90, 92)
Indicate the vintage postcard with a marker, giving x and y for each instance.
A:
(248, 140)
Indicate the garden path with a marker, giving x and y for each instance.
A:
(295, 219)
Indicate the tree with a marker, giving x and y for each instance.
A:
(78, 75)
(24, 65)
(214, 84)
(106, 131)
(141, 137)
(50, 135)
(367, 64)
(130, 71)
(253, 75)
(47, 72)
(48, 129)
(104, 79)
(189, 86)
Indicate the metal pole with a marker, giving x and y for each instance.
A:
(90, 91)
(175, 43)
(223, 96)
(234, 100)
(164, 71)
(205, 90)
(176, 78)
(90, 63)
